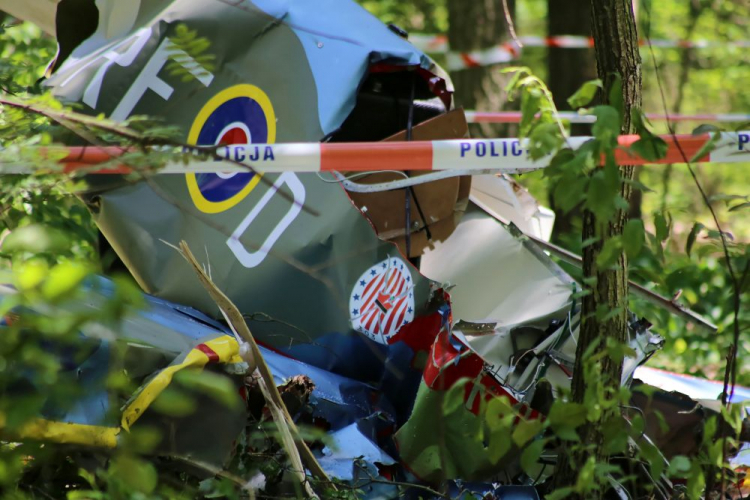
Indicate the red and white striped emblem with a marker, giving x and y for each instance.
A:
(383, 300)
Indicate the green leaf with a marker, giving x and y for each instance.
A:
(545, 139)
(529, 108)
(35, 238)
(585, 94)
(138, 475)
(646, 389)
(697, 228)
(661, 226)
(653, 456)
(633, 238)
(679, 467)
(141, 439)
(586, 476)
(590, 241)
(740, 206)
(499, 446)
(497, 409)
(602, 192)
(499, 417)
(607, 126)
(218, 387)
(530, 457)
(560, 493)
(526, 430)
(696, 482)
(709, 146)
(615, 434)
(726, 197)
(30, 274)
(63, 279)
(173, 402)
(650, 147)
(454, 400)
(706, 128)
(565, 418)
(610, 252)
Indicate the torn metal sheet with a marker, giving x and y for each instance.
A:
(497, 278)
(39, 12)
(297, 240)
(382, 341)
(694, 387)
(504, 198)
(514, 321)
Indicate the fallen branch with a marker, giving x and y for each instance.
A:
(288, 429)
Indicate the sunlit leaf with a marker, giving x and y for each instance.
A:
(35, 238)
(63, 279)
(565, 418)
(525, 431)
(585, 94)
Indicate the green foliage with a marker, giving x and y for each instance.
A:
(24, 55)
(50, 241)
(585, 94)
(419, 16)
(188, 54)
(539, 122)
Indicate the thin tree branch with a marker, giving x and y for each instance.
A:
(276, 403)
(730, 373)
(511, 26)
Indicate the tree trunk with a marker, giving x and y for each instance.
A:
(568, 69)
(616, 42)
(476, 25)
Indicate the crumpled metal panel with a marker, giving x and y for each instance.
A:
(288, 247)
(381, 342)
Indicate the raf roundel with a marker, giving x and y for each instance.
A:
(382, 300)
(241, 114)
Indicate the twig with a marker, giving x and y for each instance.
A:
(509, 22)
(373, 480)
(237, 322)
(287, 439)
(238, 481)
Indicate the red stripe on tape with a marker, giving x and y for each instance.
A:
(469, 61)
(364, 157)
(679, 149)
(212, 356)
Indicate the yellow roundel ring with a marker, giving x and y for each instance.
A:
(241, 114)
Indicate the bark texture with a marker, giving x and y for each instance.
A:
(476, 25)
(616, 48)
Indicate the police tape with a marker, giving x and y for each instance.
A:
(438, 44)
(510, 51)
(495, 55)
(573, 117)
(471, 155)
